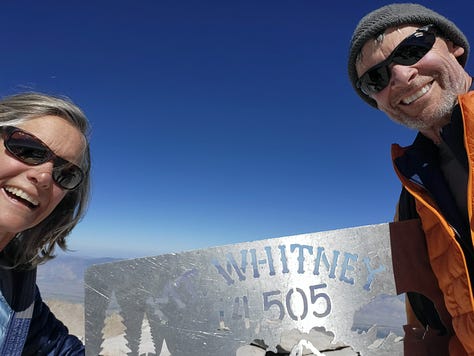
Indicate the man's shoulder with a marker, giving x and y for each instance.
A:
(469, 96)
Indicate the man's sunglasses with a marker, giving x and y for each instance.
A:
(407, 53)
(32, 151)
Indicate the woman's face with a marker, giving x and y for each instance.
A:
(28, 194)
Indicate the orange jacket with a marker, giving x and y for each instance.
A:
(445, 253)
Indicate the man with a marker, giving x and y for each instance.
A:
(408, 61)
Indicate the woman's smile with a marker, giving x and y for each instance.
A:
(22, 197)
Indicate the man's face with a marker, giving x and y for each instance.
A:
(420, 96)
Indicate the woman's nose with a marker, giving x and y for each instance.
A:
(41, 175)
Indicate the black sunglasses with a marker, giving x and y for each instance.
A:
(407, 53)
(32, 151)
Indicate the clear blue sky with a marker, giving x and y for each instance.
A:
(214, 121)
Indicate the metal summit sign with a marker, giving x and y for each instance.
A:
(214, 301)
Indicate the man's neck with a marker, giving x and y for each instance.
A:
(434, 133)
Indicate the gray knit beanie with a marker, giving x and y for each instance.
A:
(376, 22)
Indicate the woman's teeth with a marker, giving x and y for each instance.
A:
(21, 194)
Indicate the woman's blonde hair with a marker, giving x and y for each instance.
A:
(37, 244)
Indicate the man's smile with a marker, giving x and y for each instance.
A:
(417, 95)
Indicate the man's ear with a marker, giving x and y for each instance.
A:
(456, 50)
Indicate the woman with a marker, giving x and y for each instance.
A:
(44, 189)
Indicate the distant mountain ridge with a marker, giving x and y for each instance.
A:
(63, 277)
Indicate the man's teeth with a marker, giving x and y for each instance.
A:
(417, 95)
(21, 194)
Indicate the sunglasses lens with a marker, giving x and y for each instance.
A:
(68, 176)
(375, 80)
(27, 148)
(413, 49)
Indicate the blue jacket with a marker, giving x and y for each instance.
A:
(27, 326)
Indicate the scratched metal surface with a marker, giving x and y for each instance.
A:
(213, 301)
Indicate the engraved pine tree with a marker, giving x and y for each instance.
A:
(113, 333)
(147, 345)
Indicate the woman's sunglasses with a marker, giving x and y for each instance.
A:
(407, 53)
(32, 151)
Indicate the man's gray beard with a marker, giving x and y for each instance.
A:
(441, 114)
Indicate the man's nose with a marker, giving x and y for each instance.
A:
(402, 75)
